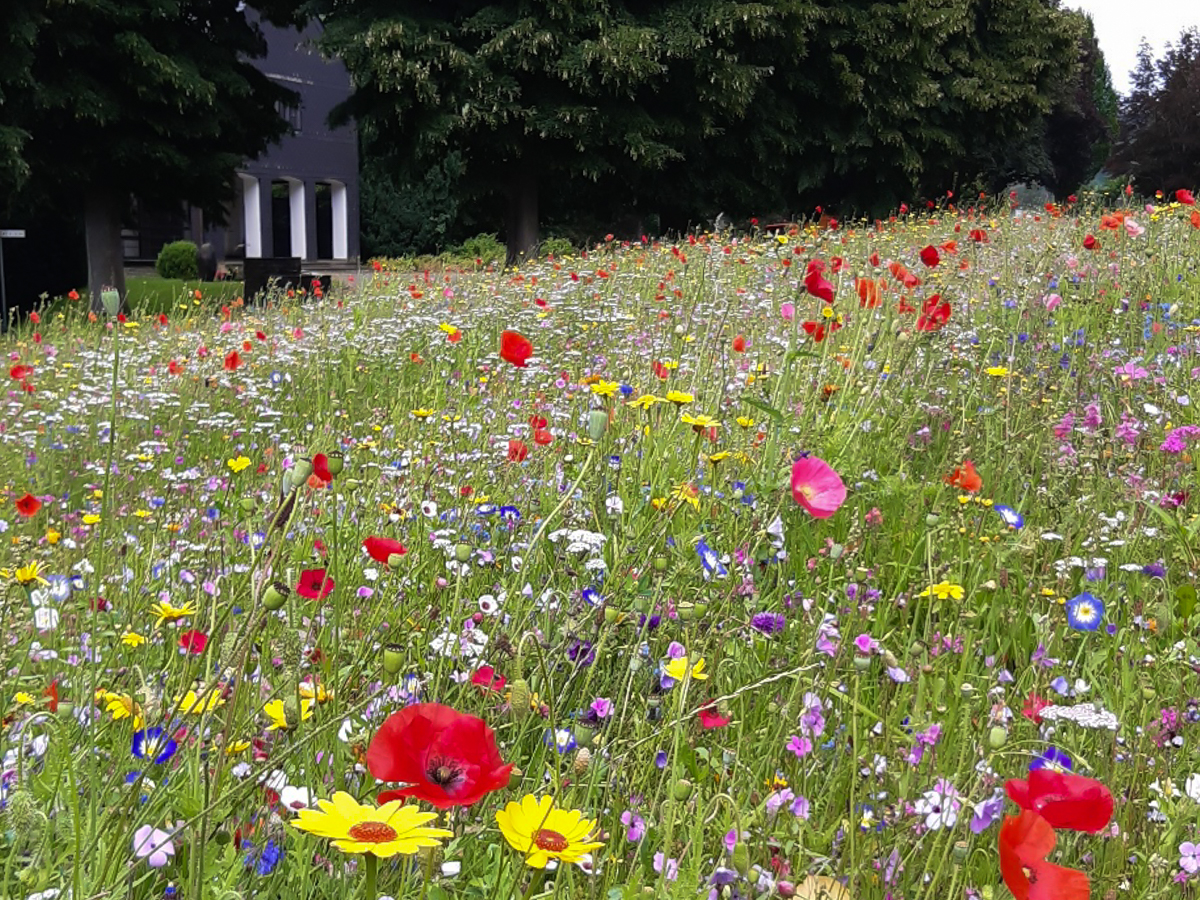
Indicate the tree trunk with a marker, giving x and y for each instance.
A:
(102, 208)
(521, 229)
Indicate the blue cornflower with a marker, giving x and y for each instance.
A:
(487, 509)
(626, 390)
(1053, 759)
(614, 462)
(510, 514)
(1011, 517)
(153, 744)
(709, 559)
(264, 862)
(276, 377)
(768, 622)
(560, 739)
(591, 597)
(1085, 612)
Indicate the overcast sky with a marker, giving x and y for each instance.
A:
(1121, 25)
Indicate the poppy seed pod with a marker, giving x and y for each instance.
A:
(862, 663)
(335, 462)
(682, 790)
(111, 300)
(394, 560)
(393, 658)
(300, 470)
(660, 564)
(276, 595)
(462, 552)
(997, 737)
(519, 698)
(597, 424)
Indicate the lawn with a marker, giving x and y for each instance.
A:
(743, 565)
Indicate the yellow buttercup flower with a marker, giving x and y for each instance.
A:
(542, 832)
(238, 463)
(645, 401)
(997, 371)
(719, 457)
(168, 613)
(422, 413)
(699, 422)
(679, 397)
(277, 713)
(944, 590)
(132, 639)
(678, 669)
(24, 698)
(745, 421)
(52, 536)
(237, 747)
(355, 828)
(91, 519)
(605, 388)
(195, 704)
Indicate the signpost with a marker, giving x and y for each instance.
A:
(6, 234)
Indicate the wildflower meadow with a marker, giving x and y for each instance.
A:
(838, 560)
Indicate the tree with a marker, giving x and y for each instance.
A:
(536, 94)
(153, 98)
(1159, 144)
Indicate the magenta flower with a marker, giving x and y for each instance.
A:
(153, 845)
(817, 487)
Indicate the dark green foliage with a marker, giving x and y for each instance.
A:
(681, 108)
(1159, 145)
(404, 217)
(177, 260)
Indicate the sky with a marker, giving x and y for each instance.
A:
(1121, 25)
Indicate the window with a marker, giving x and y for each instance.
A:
(291, 115)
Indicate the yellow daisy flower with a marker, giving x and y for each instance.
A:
(944, 590)
(542, 832)
(700, 422)
(679, 397)
(195, 704)
(238, 463)
(276, 712)
(132, 639)
(355, 828)
(605, 388)
(645, 401)
(745, 421)
(28, 574)
(168, 613)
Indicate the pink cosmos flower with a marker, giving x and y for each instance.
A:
(817, 487)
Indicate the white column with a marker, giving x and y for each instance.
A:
(251, 215)
(341, 224)
(298, 221)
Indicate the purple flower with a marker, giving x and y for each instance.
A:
(1176, 440)
(866, 645)
(602, 707)
(1053, 759)
(635, 825)
(800, 745)
(768, 622)
(1189, 857)
(987, 812)
(153, 845)
(668, 868)
(800, 808)
(778, 800)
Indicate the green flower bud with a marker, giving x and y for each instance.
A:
(393, 658)
(741, 858)
(611, 615)
(660, 564)
(395, 560)
(276, 595)
(862, 663)
(248, 504)
(462, 552)
(682, 790)
(997, 737)
(597, 424)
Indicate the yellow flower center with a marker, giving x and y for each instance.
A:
(545, 839)
(372, 832)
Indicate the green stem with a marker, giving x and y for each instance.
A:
(372, 863)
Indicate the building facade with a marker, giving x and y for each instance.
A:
(300, 198)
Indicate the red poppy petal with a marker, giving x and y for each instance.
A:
(1070, 801)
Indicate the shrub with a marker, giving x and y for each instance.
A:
(556, 247)
(177, 260)
(484, 247)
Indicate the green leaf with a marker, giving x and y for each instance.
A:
(776, 415)
(1185, 601)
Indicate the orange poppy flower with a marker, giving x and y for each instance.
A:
(1025, 842)
(965, 477)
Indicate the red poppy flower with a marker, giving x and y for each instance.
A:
(20, 372)
(380, 548)
(536, 421)
(870, 292)
(162, 319)
(660, 370)
(816, 329)
(710, 718)
(739, 344)
(543, 437)
(905, 277)
(816, 285)
(52, 693)
(935, 313)
(930, 256)
(1195, 219)
(35, 318)
(73, 295)
(193, 642)
(1025, 842)
(1185, 197)
(173, 367)
(232, 360)
(1063, 800)
(320, 464)
(28, 505)
(454, 337)
(1090, 242)
(965, 477)
(445, 757)
(979, 236)
(486, 677)
(314, 584)
(517, 451)
(515, 348)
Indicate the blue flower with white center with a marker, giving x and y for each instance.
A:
(560, 739)
(709, 559)
(154, 744)
(1011, 517)
(1085, 612)
(1052, 759)
(510, 514)
(487, 509)
(591, 597)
